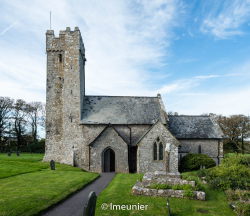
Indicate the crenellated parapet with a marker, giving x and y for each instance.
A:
(66, 38)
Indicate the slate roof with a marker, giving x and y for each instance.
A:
(121, 110)
(194, 127)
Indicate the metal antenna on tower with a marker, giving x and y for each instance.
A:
(50, 20)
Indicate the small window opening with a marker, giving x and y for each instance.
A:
(155, 151)
(70, 118)
(60, 58)
(199, 149)
(160, 151)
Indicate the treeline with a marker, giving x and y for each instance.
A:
(236, 129)
(20, 124)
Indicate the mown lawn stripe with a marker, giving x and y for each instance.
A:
(33, 187)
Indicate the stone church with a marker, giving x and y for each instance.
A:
(114, 133)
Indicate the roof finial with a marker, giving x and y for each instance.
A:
(50, 20)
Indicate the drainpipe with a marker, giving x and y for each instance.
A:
(129, 146)
(130, 136)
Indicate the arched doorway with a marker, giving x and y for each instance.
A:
(108, 160)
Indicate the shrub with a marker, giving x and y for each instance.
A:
(233, 173)
(188, 194)
(239, 159)
(199, 186)
(242, 209)
(182, 187)
(192, 162)
(38, 147)
(238, 195)
(202, 173)
(240, 199)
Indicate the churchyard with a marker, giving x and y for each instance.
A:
(28, 186)
(119, 192)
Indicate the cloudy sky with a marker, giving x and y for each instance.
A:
(195, 53)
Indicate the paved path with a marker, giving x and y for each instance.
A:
(73, 206)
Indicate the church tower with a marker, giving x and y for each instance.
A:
(64, 93)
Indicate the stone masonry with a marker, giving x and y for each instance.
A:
(145, 150)
(158, 177)
(80, 127)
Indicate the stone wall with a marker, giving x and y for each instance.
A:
(145, 160)
(109, 138)
(213, 148)
(89, 132)
(139, 189)
(159, 177)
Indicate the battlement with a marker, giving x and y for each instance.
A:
(66, 38)
(67, 31)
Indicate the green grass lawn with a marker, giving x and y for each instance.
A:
(119, 192)
(28, 186)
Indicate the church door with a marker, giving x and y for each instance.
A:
(132, 159)
(108, 160)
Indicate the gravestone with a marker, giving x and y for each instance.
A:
(52, 165)
(89, 209)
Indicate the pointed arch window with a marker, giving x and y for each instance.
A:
(155, 151)
(160, 151)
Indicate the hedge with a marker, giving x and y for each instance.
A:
(192, 162)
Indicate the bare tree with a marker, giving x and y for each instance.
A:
(20, 109)
(5, 111)
(35, 115)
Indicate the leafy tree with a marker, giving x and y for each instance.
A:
(236, 129)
